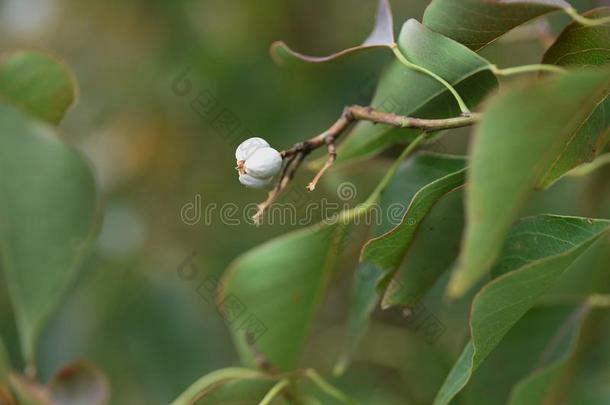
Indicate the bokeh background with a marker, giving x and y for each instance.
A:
(153, 154)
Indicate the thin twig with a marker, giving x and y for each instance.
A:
(294, 156)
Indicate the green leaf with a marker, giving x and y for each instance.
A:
(277, 288)
(431, 251)
(222, 383)
(538, 251)
(38, 84)
(382, 36)
(534, 388)
(511, 360)
(402, 193)
(580, 45)
(48, 207)
(422, 185)
(404, 91)
(513, 149)
(476, 23)
(79, 383)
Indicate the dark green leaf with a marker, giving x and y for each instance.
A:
(405, 91)
(513, 149)
(415, 175)
(538, 251)
(476, 23)
(38, 84)
(431, 251)
(580, 45)
(382, 36)
(47, 213)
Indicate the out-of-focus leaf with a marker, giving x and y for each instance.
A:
(364, 298)
(48, 207)
(38, 84)
(5, 363)
(27, 392)
(273, 292)
(534, 388)
(538, 251)
(5, 369)
(79, 383)
(382, 36)
(404, 91)
(210, 386)
(476, 23)
(513, 149)
(431, 251)
(580, 45)
(414, 175)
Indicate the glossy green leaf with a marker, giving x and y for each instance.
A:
(38, 84)
(79, 383)
(405, 91)
(513, 149)
(580, 45)
(382, 36)
(538, 251)
(274, 292)
(476, 23)
(415, 175)
(47, 213)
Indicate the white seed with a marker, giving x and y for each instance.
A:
(253, 182)
(264, 163)
(248, 147)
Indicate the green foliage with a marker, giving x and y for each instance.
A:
(537, 253)
(476, 23)
(513, 151)
(443, 225)
(38, 84)
(48, 200)
(404, 91)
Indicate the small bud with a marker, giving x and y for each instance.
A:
(253, 182)
(264, 163)
(248, 147)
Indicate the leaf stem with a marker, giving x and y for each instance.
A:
(274, 391)
(589, 22)
(399, 55)
(327, 387)
(526, 69)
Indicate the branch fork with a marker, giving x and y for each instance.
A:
(294, 156)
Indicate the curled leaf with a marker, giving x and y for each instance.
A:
(382, 36)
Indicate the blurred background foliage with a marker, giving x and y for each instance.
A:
(152, 153)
